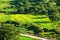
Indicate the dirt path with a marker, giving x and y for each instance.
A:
(33, 37)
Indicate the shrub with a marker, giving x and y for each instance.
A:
(8, 32)
(57, 29)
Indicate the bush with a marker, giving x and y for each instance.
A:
(57, 29)
(8, 32)
(58, 37)
(30, 32)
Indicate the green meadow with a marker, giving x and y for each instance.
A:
(40, 20)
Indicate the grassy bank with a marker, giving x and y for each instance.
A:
(41, 20)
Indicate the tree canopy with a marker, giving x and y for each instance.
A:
(45, 7)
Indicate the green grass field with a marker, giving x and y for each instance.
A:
(40, 20)
(26, 17)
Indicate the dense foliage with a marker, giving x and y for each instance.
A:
(45, 15)
(47, 7)
(8, 32)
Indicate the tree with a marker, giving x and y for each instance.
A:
(8, 32)
(6, 7)
(22, 9)
(27, 6)
(53, 14)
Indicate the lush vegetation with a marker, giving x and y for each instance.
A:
(34, 17)
(47, 7)
(8, 31)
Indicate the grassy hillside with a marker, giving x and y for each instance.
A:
(34, 17)
(41, 20)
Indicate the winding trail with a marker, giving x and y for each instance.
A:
(39, 38)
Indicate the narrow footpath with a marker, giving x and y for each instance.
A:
(39, 38)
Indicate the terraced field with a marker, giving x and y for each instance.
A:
(40, 20)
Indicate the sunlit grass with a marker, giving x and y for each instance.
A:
(42, 20)
(23, 17)
(25, 38)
